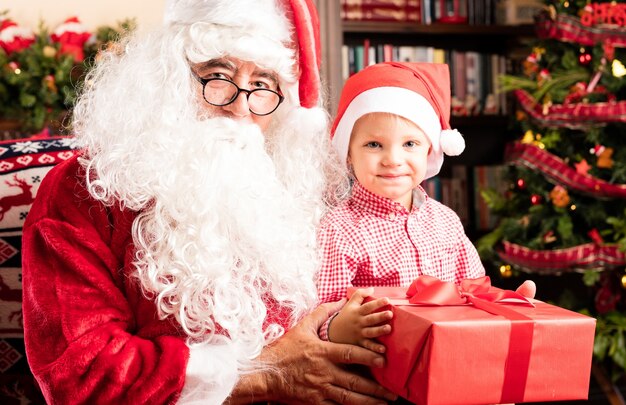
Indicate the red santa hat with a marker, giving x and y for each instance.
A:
(277, 34)
(419, 92)
(14, 38)
(72, 35)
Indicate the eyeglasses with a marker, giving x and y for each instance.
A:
(220, 92)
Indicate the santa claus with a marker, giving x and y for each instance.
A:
(174, 259)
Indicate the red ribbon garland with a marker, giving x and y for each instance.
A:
(427, 290)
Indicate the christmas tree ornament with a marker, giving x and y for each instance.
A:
(529, 137)
(582, 167)
(549, 237)
(597, 149)
(14, 67)
(618, 69)
(14, 38)
(605, 299)
(543, 77)
(49, 51)
(521, 184)
(624, 281)
(584, 58)
(531, 65)
(605, 160)
(506, 272)
(595, 236)
(50, 84)
(559, 197)
(572, 207)
(72, 35)
(535, 199)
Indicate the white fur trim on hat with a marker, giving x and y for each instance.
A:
(399, 101)
(13, 32)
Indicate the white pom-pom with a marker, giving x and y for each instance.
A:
(452, 142)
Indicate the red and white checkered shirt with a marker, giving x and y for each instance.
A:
(371, 240)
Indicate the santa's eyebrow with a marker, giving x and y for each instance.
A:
(222, 63)
(228, 65)
(269, 75)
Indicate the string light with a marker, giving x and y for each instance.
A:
(618, 68)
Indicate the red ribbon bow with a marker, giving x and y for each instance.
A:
(428, 290)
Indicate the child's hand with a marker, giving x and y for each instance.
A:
(359, 323)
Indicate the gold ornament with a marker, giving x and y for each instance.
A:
(618, 68)
(624, 281)
(529, 137)
(49, 51)
(506, 272)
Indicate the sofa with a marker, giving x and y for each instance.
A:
(23, 164)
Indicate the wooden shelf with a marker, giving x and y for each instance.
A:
(481, 121)
(367, 27)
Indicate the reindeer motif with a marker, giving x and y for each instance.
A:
(12, 295)
(23, 198)
(16, 392)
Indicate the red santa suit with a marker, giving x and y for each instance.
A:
(93, 338)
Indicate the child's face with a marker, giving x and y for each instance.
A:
(388, 155)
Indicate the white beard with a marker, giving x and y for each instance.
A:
(221, 233)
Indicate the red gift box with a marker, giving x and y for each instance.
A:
(459, 354)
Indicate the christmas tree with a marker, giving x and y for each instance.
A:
(41, 72)
(563, 218)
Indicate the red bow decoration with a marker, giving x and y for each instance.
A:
(428, 290)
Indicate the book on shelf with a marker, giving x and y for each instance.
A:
(473, 75)
(424, 11)
(381, 10)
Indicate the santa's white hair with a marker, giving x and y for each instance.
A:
(227, 215)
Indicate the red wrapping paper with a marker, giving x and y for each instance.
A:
(459, 354)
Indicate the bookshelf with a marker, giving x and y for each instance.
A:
(485, 135)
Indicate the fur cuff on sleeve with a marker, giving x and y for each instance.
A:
(211, 374)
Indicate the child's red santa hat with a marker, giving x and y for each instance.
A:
(276, 34)
(419, 92)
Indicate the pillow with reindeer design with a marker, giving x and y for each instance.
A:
(23, 164)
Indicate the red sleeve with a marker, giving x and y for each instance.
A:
(79, 326)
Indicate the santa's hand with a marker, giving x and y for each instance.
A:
(528, 289)
(312, 370)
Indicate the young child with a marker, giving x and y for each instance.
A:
(392, 129)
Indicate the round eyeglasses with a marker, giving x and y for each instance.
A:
(220, 92)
